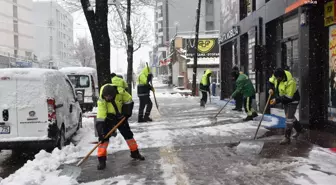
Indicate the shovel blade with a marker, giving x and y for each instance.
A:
(213, 120)
(70, 170)
(249, 147)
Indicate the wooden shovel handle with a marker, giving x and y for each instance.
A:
(100, 142)
(262, 117)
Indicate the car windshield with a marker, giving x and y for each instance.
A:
(80, 81)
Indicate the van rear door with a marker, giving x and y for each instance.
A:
(8, 114)
(32, 108)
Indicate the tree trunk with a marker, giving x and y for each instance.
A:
(198, 11)
(130, 48)
(97, 22)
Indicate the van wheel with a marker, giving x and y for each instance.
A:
(80, 122)
(61, 139)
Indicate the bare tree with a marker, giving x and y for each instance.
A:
(97, 22)
(98, 25)
(84, 52)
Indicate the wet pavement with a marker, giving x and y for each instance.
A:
(201, 151)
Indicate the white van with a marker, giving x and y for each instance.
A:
(85, 81)
(38, 109)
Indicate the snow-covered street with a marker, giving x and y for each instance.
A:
(183, 146)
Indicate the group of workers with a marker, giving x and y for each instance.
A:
(283, 89)
(115, 104)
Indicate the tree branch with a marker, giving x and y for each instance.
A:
(139, 46)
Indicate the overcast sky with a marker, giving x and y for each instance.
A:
(118, 56)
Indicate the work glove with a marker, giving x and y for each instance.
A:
(271, 92)
(273, 102)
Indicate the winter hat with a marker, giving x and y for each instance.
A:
(235, 73)
(279, 73)
(109, 90)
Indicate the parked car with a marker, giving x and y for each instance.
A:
(85, 81)
(38, 109)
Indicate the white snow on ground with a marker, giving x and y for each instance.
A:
(319, 168)
(43, 169)
(118, 180)
(43, 138)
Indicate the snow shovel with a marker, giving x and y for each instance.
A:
(253, 146)
(156, 104)
(74, 171)
(214, 119)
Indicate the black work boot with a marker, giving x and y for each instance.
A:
(147, 118)
(286, 140)
(102, 163)
(298, 128)
(202, 103)
(254, 114)
(248, 118)
(136, 155)
(141, 119)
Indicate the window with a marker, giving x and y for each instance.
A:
(291, 27)
(16, 41)
(70, 93)
(16, 53)
(15, 11)
(15, 26)
(160, 40)
(80, 81)
(209, 25)
(209, 8)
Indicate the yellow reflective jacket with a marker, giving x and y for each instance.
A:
(143, 82)
(119, 82)
(205, 81)
(105, 107)
(287, 89)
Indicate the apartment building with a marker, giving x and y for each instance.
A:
(16, 33)
(54, 34)
(173, 17)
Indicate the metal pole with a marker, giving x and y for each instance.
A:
(198, 11)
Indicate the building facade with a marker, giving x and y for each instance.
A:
(260, 35)
(179, 17)
(16, 33)
(54, 34)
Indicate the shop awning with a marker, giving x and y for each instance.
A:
(166, 61)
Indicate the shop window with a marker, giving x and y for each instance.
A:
(291, 27)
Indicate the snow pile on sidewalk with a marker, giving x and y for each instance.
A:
(42, 170)
(319, 168)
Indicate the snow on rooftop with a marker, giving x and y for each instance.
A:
(27, 72)
(78, 70)
(205, 61)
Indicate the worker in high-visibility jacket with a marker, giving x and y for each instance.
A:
(118, 81)
(112, 107)
(245, 87)
(285, 88)
(205, 86)
(144, 88)
(239, 99)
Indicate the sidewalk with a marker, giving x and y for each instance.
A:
(183, 146)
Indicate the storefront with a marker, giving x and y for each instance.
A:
(330, 21)
(288, 34)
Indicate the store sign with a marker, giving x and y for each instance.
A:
(207, 47)
(332, 73)
(230, 34)
(329, 13)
